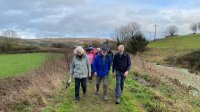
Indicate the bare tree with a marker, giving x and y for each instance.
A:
(116, 36)
(119, 35)
(194, 28)
(132, 28)
(8, 37)
(171, 30)
(124, 33)
(131, 36)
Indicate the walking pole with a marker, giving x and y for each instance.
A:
(69, 80)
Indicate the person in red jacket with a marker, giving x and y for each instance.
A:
(91, 56)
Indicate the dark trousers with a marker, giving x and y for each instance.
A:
(79, 82)
(119, 83)
(92, 73)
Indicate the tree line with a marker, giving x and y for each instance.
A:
(172, 30)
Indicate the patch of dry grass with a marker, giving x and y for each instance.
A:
(32, 91)
(159, 56)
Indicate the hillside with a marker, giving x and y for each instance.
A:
(73, 40)
(180, 42)
(181, 51)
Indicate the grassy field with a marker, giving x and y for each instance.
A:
(17, 64)
(159, 50)
(179, 42)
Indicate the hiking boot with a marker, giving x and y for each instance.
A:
(77, 99)
(96, 93)
(117, 100)
(105, 98)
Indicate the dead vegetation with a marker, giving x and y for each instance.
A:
(191, 61)
(168, 92)
(182, 75)
(30, 92)
(174, 87)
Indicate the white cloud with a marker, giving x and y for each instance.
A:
(93, 18)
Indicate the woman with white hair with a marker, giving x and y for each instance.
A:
(80, 69)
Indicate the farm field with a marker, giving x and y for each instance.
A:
(18, 64)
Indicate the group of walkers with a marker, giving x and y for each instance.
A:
(98, 62)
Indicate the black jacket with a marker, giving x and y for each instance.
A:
(122, 63)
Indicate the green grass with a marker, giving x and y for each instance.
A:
(135, 98)
(92, 103)
(179, 42)
(162, 97)
(17, 64)
(162, 49)
(146, 96)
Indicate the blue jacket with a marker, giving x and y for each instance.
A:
(98, 66)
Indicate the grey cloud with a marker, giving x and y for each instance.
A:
(60, 18)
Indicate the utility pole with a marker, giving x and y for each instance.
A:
(155, 32)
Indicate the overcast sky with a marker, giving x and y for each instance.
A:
(94, 18)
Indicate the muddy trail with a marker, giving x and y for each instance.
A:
(182, 76)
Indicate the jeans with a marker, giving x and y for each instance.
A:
(79, 82)
(119, 83)
(105, 84)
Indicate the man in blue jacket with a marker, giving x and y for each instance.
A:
(101, 68)
(121, 65)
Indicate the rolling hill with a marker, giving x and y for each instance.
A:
(181, 51)
(180, 42)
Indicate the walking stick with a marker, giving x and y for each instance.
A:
(69, 80)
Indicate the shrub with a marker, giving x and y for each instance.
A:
(58, 45)
(136, 43)
(191, 60)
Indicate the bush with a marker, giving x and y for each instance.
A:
(58, 45)
(191, 60)
(4, 46)
(136, 43)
